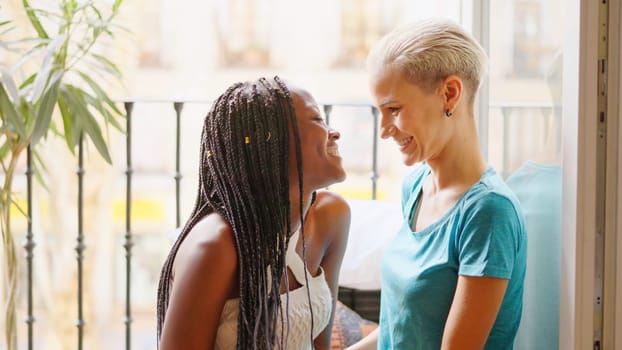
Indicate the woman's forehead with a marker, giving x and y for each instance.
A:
(303, 99)
(297, 91)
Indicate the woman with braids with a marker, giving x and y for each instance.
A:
(256, 266)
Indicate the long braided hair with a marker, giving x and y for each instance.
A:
(244, 176)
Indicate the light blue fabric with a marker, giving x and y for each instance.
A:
(483, 234)
(539, 190)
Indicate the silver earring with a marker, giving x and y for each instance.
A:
(448, 113)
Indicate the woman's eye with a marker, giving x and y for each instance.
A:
(394, 111)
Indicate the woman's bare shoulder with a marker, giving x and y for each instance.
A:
(209, 242)
(204, 277)
(331, 206)
(331, 216)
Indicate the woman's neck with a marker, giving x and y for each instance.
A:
(295, 206)
(461, 162)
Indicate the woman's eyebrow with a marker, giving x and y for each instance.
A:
(386, 102)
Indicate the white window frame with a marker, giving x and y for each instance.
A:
(580, 123)
(480, 28)
(613, 244)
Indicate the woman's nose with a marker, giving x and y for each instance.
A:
(387, 130)
(333, 134)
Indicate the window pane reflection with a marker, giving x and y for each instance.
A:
(524, 135)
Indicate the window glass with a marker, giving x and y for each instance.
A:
(525, 80)
(524, 145)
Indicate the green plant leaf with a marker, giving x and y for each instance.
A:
(29, 54)
(45, 107)
(99, 92)
(38, 86)
(69, 9)
(117, 26)
(116, 5)
(35, 42)
(103, 111)
(101, 108)
(26, 111)
(97, 12)
(107, 64)
(95, 134)
(47, 66)
(4, 149)
(71, 131)
(5, 31)
(8, 82)
(28, 81)
(36, 24)
(86, 121)
(97, 31)
(54, 129)
(9, 115)
(37, 165)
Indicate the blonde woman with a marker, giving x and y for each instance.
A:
(453, 276)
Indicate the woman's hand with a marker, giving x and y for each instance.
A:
(370, 342)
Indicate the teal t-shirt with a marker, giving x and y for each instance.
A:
(483, 234)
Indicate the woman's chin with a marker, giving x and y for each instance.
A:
(328, 181)
(409, 160)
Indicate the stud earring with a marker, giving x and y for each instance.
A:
(448, 113)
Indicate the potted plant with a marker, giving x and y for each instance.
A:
(57, 70)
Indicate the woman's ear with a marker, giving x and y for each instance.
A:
(452, 91)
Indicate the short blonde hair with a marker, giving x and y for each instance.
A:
(429, 51)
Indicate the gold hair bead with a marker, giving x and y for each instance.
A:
(247, 140)
(209, 153)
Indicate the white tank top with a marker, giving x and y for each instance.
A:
(299, 313)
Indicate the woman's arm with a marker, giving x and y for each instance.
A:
(329, 218)
(473, 312)
(489, 244)
(204, 275)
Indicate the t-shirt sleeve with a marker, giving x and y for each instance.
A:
(489, 240)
